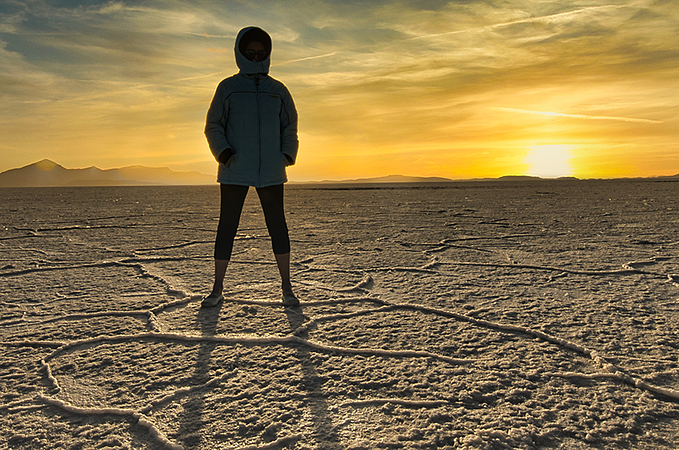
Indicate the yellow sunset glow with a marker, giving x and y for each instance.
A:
(455, 90)
(549, 161)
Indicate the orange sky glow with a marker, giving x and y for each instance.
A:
(447, 89)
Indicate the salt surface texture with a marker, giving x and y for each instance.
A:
(465, 315)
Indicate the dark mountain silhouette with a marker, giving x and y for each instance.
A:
(393, 179)
(48, 173)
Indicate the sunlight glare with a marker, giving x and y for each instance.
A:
(549, 161)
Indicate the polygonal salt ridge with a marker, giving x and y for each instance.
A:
(611, 371)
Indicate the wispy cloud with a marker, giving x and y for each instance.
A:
(577, 116)
(308, 58)
(561, 16)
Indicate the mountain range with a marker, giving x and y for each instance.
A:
(48, 173)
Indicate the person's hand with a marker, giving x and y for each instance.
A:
(225, 155)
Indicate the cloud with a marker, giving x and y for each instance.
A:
(307, 58)
(577, 116)
(551, 18)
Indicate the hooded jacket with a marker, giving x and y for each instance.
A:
(253, 116)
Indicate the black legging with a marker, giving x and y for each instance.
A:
(231, 205)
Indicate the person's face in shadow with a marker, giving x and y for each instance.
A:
(255, 51)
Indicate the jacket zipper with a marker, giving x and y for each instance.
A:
(259, 132)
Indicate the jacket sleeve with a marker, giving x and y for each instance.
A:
(215, 123)
(289, 140)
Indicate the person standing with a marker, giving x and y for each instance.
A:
(251, 129)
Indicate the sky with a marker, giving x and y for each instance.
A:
(457, 89)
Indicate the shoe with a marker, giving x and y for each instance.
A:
(290, 299)
(211, 300)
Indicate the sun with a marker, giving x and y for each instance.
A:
(549, 161)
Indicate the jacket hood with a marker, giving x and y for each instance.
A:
(246, 66)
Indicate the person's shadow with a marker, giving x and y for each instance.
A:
(192, 418)
(324, 432)
(190, 429)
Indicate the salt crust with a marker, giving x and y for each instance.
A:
(607, 370)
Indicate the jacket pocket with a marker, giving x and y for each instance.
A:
(286, 161)
(231, 161)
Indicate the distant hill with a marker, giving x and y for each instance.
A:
(48, 173)
(393, 179)
(407, 179)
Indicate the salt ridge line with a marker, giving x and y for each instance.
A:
(595, 356)
(402, 269)
(89, 227)
(394, 401)
(363, 285)
(156, 327)
(124, 262)
(176, 246)
(50, 377)
(134, 262)
(154, 323)
(146, 273)
(600, 361)
(617, 373)
(349, 315)
(466, 247)
(152, 318)
(77, 316)
(255, 340)
(184, 297)
(334, 301)
(16, 403)
(56, 344)
(36, 231)
(138, 417)
(448, 243)
(186, 391)
(275, 445)
(15, 238)
(507, 236)
(627, 269)
(630, 271)
(138, 262)
(150, 314)
(613, 371)
(324, 268)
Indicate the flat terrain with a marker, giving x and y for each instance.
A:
(463, 315)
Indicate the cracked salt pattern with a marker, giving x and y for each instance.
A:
(466, 315)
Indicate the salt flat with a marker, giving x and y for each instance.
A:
(462, 315)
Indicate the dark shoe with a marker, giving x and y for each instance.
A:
(211, 300)
(290, 299)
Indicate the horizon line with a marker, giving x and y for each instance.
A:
(378, 179)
